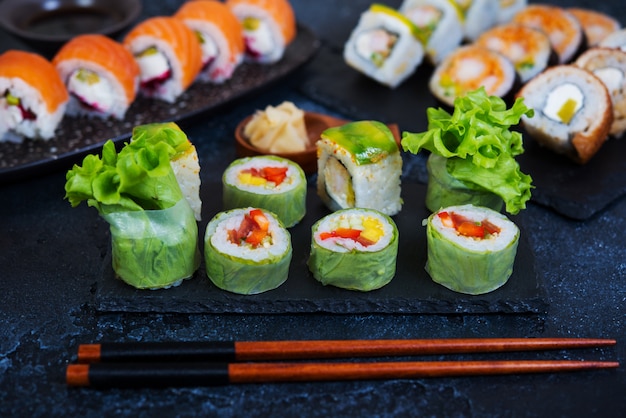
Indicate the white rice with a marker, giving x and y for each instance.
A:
(292, 180)
(480, 16)
(351, 219)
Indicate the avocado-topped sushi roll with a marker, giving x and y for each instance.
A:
(33, 97)
(247, 251)
(385, 46)
(101, 76)
(564, 30)
(478, 16)
(359, 166)
(529, 49)
(268, 27)
(596, 25)
(439, 23)
(469, 68)
(354, 249)
(269, 182)
(470, 249)
(573, 111)
(609, 65)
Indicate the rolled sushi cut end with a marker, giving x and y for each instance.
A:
(247, 251)
(269, 182)
(359, 166)
(354, 249)
(470, 249)
(385, 46)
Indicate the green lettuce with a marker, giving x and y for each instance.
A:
(479, 145)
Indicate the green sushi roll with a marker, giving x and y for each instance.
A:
(247, 251)
(268, 182)
(471, 249)
(354, 249)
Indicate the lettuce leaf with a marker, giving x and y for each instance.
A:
(479, 145)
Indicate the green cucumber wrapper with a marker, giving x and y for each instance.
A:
(354, 270)
(444, 190)
(466, 271)
(154, 249)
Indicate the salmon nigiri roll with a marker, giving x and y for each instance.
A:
(268, 25)
(33, 97)
(101, 76)
(220, 34)
(168, 54)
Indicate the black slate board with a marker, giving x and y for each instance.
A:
(78, 136)
(575, 191)
(411, 290)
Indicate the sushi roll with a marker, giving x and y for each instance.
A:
(33, 97)
(529, 49)
(220, 34)
(609, 65)
(168, 54)
(359, 166)
(247, 251)
(565, 32)
(354, 249)
(268, 27)
(101, 76)
(469, 68)
(572, 111)
(508, 8)
(384, 45)
(596, 25)
(478, 16)
(268, 182)
(470, 249)
(616, 39)
(440, 24)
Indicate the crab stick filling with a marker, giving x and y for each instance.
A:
(154, 68)
(467, 227)
(563, 103)
(91, 90)
(258, 37)
(348, 229)
(339, 183)
(15, 112)
(266, 176)
(376, 45)
(253, 230)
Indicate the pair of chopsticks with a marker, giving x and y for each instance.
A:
(175, 364)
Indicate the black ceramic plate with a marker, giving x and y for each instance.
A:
(79, 136)
(575, 191)
(411, 290)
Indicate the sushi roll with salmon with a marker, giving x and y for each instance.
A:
(359, 166)
(269, 26)
(247, 251)
(469, 68)
(609, 65)
(354, 249)
(596, 25)
(573, 112)
(478, 16)
(564, 30)
(33, 97)
(529, 49)
(268, 182)
(384, 45)
(470, 249)
(220, 34)
(168, 54)
(439, 23)
(101, 76)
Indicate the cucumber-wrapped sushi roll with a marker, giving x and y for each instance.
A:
(168, 54)
(220, 34)
(33, 97)
(247, 251)
(359, 166)
(269, 182)
(354, 249)
(268, 27)
(440, 24)
(101, 75)
(385, 46)
(470, 249)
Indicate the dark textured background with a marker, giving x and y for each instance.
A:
(51, 256)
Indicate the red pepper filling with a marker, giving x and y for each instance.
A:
(252, 230)
(467, 227)
(353, 234)
(274, 174)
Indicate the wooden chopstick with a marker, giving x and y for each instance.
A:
(230, 351)
(135, 375)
